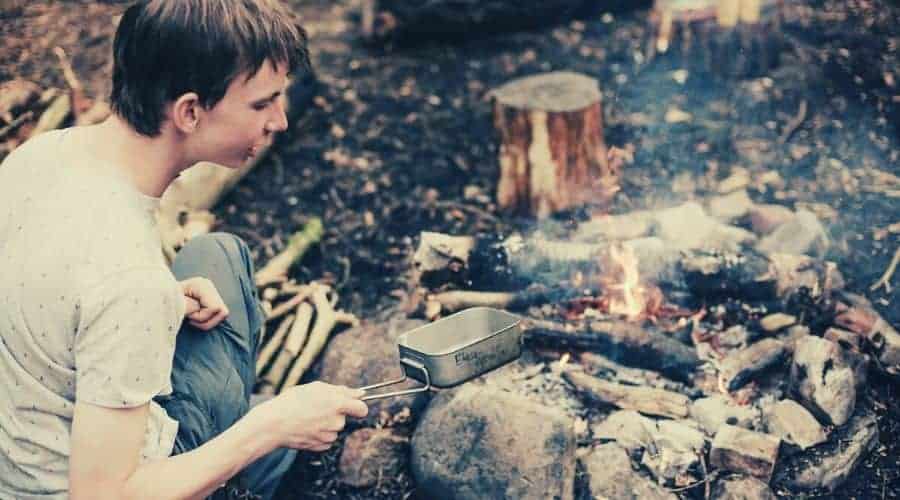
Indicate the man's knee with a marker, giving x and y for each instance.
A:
(206, 246)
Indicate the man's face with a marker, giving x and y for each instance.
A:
(243, 122)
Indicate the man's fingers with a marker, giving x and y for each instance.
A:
(213, 321)
(203, 315)
(354, 408)
(353, 393)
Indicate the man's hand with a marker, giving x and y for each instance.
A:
(310, 416)
(204, 307)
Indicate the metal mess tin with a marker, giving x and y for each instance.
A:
(455, 349)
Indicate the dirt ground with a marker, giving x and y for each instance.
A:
(400, 140)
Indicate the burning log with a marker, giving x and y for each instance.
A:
(643, 399)
(739, 367)
(596, 363)
(632, 344)
(552, 152)
(740, 37)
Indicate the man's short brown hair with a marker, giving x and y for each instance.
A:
(165, 48)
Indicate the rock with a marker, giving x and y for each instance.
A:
(792, 335)
(747, 452)
(844, 338)
(741, 488)
(675, 451)
(478, 442)
(611, 476)
(15, 96)
(715, 411)
(794, 272)
(803, 234)
(835, 467)
(628, 428)
(791, 422)
(371, 453)
(740, 366)
(739, 179)
(728, 238)
(776, 321)
(368, 354)
(626, 226)
(685, 226)
(823, 379)
(766, 218)
(731, 206)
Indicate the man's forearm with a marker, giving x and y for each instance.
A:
(196, 474)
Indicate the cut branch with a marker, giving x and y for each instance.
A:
(293, 343)
(643, 399)
(296, 247)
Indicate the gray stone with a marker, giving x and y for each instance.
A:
(747, 452)
(728, 238)
(716, 411)
(368, 354)
(629, 428)
(675, 451)
(479, 442)
(614, 227)
(730, 206)
(685, 226)
(803, 234)
(369, 453)
(766, 218)
(611, 477)
(776, 321)
(794, 424)
(832, 470)
(741, 488)
(823, 379)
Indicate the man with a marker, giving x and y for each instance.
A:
(105, 394)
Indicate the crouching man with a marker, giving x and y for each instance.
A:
(122, 378)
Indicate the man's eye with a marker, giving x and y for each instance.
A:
(261, 105)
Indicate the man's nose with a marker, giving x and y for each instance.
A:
(278, 122)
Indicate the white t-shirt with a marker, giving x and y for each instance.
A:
(88, 310)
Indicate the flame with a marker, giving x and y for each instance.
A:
(628, 296)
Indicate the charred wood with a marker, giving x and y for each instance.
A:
(646, 400)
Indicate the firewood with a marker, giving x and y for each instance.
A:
(858, 315)
(272, 345)
(326, 319)
(198, 222)
(746, 452)
(54, 116)
(628, 343)
(596, 364)
(740, 366)
(296, 247)
(885, 279)
(458, 300)
(552, 152)
(646, 400)
(289, 305)
(292, 345)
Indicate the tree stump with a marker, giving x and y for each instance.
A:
(552, 152)
(727, 37)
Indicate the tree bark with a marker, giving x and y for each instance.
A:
(552, 153)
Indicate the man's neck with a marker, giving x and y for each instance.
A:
(150, 163)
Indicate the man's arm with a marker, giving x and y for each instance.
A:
(106, 445)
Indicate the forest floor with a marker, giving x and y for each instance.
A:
(400, 140)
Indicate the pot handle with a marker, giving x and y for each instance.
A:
(407, 362)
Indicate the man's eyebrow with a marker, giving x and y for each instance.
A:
(269, 98)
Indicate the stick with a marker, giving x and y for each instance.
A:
(296, 247)
(885, 279)
(643, 399)
(55, 114)
(292, 345)
(80, 102)
(792, 125)
(290, 304)
(22, 118)
(325, 321)
(273, 344)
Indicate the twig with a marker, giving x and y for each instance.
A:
(795, 123)
(290, 304)
(885, 279)
(325, 321)
(273, 344)
(296, 247)
(68, 73)
(293, 343)
(13, 125)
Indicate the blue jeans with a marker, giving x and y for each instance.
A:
(213, 372)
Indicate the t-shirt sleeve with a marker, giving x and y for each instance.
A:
(126, 338)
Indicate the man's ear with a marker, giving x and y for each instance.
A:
(186, 111)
